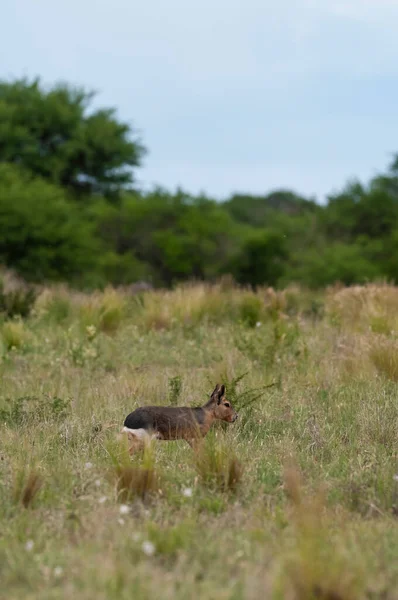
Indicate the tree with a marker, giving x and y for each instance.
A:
(260, 211)
(337, 261)
(54, 134)
(42, 235)
(177, 236)
(261, 260)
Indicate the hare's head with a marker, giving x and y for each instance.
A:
(221, 406)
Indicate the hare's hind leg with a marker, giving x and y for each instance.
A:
(139, 438)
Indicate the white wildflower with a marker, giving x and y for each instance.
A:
(121, 521)
(58, 572)
(98, 482)
(29, 545)
(103, 499)
(124, 509)
(258, 324)
(148, 548)
(187, 492)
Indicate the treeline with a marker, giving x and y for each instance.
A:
(69, 210)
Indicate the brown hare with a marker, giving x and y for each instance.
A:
(176, 423)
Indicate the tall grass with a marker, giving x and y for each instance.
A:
(14, 335)
(138, 481)
(105, 311)
(54, 304)
(313, 376)
(27, 484)
(372, 307)
(190, 305)
(217, 465)
(316, 566)
(384, 355)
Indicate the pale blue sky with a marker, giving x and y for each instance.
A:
(229, 96)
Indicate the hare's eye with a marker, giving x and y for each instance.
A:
(227, 404)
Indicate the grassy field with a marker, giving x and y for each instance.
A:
(296, 500)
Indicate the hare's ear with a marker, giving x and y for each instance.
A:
(221, 393)
(218, 393)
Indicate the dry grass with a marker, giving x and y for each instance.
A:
(27, 484)
(104, 311)
(317, 567)
(384, 355)
(138, 481)
(372, 307)
(227, 522)
(217, 465)
(135, 482)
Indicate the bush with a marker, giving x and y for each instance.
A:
(14, 335)
(337, 262)
(261, 260)
(16, 298)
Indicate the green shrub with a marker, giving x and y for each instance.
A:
(14, 334)
(16, 302)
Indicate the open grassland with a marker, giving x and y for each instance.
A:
(296, 500)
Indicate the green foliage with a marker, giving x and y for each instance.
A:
(259, 211)
(68, 212)
(57, 135)
(27, 410)
(260, 261)
(168, 237)
(175, 387)
(337, 262)
(360, 212)
(251, 310)
(243, 399)
(43, 236)
(14, 334)
(58, 308)
(169, 542)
